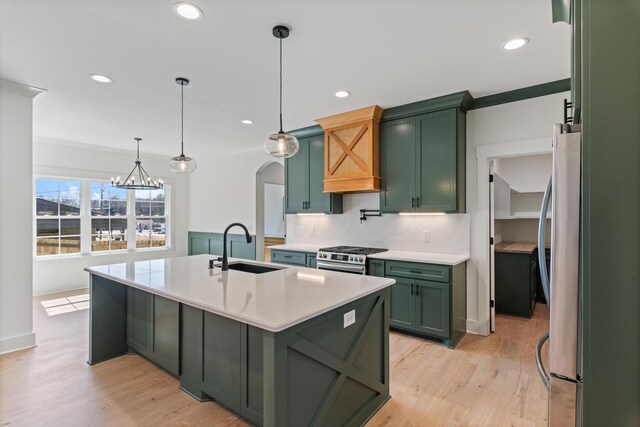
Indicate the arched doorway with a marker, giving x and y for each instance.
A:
(270, 220)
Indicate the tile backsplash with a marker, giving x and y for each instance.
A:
(447, 234)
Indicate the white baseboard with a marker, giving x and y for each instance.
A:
(478, 328)
(20, 342)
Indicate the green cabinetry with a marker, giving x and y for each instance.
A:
(516, 283)
(304, 180)
(153, 324)
(427, 299)
(211, 243)
(295, 258)
(422, 162)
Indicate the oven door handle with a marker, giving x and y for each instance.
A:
(339, 267)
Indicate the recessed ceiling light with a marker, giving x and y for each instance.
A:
(342, 93)
(100, 78)
(515, 43)
(188, 11)
(247, 122)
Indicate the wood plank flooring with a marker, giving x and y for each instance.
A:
(486, 381)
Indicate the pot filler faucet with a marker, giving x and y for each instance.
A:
(225, 260)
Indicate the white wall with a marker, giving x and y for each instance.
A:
(16, 245)
(223, 188)
(75, 160)
(449, 234)
(521, 230)
(274, 223)
(506, 123)
(525, 173)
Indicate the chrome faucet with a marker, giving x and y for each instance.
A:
(225, 260)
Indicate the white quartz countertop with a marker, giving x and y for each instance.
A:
(299, 247)
(421, 257)
(273, 301)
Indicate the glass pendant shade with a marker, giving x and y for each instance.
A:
(182, 164)
(281, 145)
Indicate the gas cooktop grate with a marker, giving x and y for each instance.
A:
(353, 250)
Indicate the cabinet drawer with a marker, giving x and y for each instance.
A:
(287, 257)
(438, 273)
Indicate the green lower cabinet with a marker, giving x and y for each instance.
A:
(165, 343)
(375, 267)
(221, 367)
(294, 258)
(153, 328)
(432, 308)
(402, 304)
(139, 329)
(312, 261)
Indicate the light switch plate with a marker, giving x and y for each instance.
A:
(426, 236)
(349, 318)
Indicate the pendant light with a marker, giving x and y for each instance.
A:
(138, 179)
(182, 163)
(281, 144)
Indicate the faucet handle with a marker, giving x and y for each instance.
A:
(219, 259)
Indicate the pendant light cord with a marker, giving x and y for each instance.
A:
(182, 119)
(281, 131)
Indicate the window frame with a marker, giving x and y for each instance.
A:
(86, 217)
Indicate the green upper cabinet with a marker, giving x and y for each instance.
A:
(422, 162)
(304, 180)
(397, 149)
(296, 172)
(436, 162)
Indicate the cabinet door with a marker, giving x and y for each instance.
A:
(222, 360)
(432, 308)
(318, 200)
(435, 162)
(312, 261)
(165, 349)
(512, 290)
(296, 175)
(402, 304)
(375, 267)
(397, 164)
(139, 322)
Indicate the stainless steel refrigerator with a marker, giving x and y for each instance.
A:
(562, 287)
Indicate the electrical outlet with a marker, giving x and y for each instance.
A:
(349, 318)
(426, 236)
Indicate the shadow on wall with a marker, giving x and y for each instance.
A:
(269, 210)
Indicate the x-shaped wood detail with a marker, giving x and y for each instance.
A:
(341, 366)
(346, 150)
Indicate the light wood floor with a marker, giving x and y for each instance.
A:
(486, 381)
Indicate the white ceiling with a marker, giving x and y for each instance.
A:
(385, 52)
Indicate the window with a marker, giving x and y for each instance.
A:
(57, 216)
(87, 217)
(150, 218)
(108, 217)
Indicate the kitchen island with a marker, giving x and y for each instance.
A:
(293, 346)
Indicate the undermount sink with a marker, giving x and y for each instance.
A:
(251, 268)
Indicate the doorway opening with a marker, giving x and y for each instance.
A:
(512, 178)
(270, 218)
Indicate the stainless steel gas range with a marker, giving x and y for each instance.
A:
(348, 259)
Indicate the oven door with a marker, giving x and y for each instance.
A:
(345, 268)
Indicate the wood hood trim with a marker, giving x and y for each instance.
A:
(352, 151)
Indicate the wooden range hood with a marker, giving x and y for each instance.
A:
(352, 151)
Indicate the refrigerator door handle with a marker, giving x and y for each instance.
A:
(542, 235)
(541, 370)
